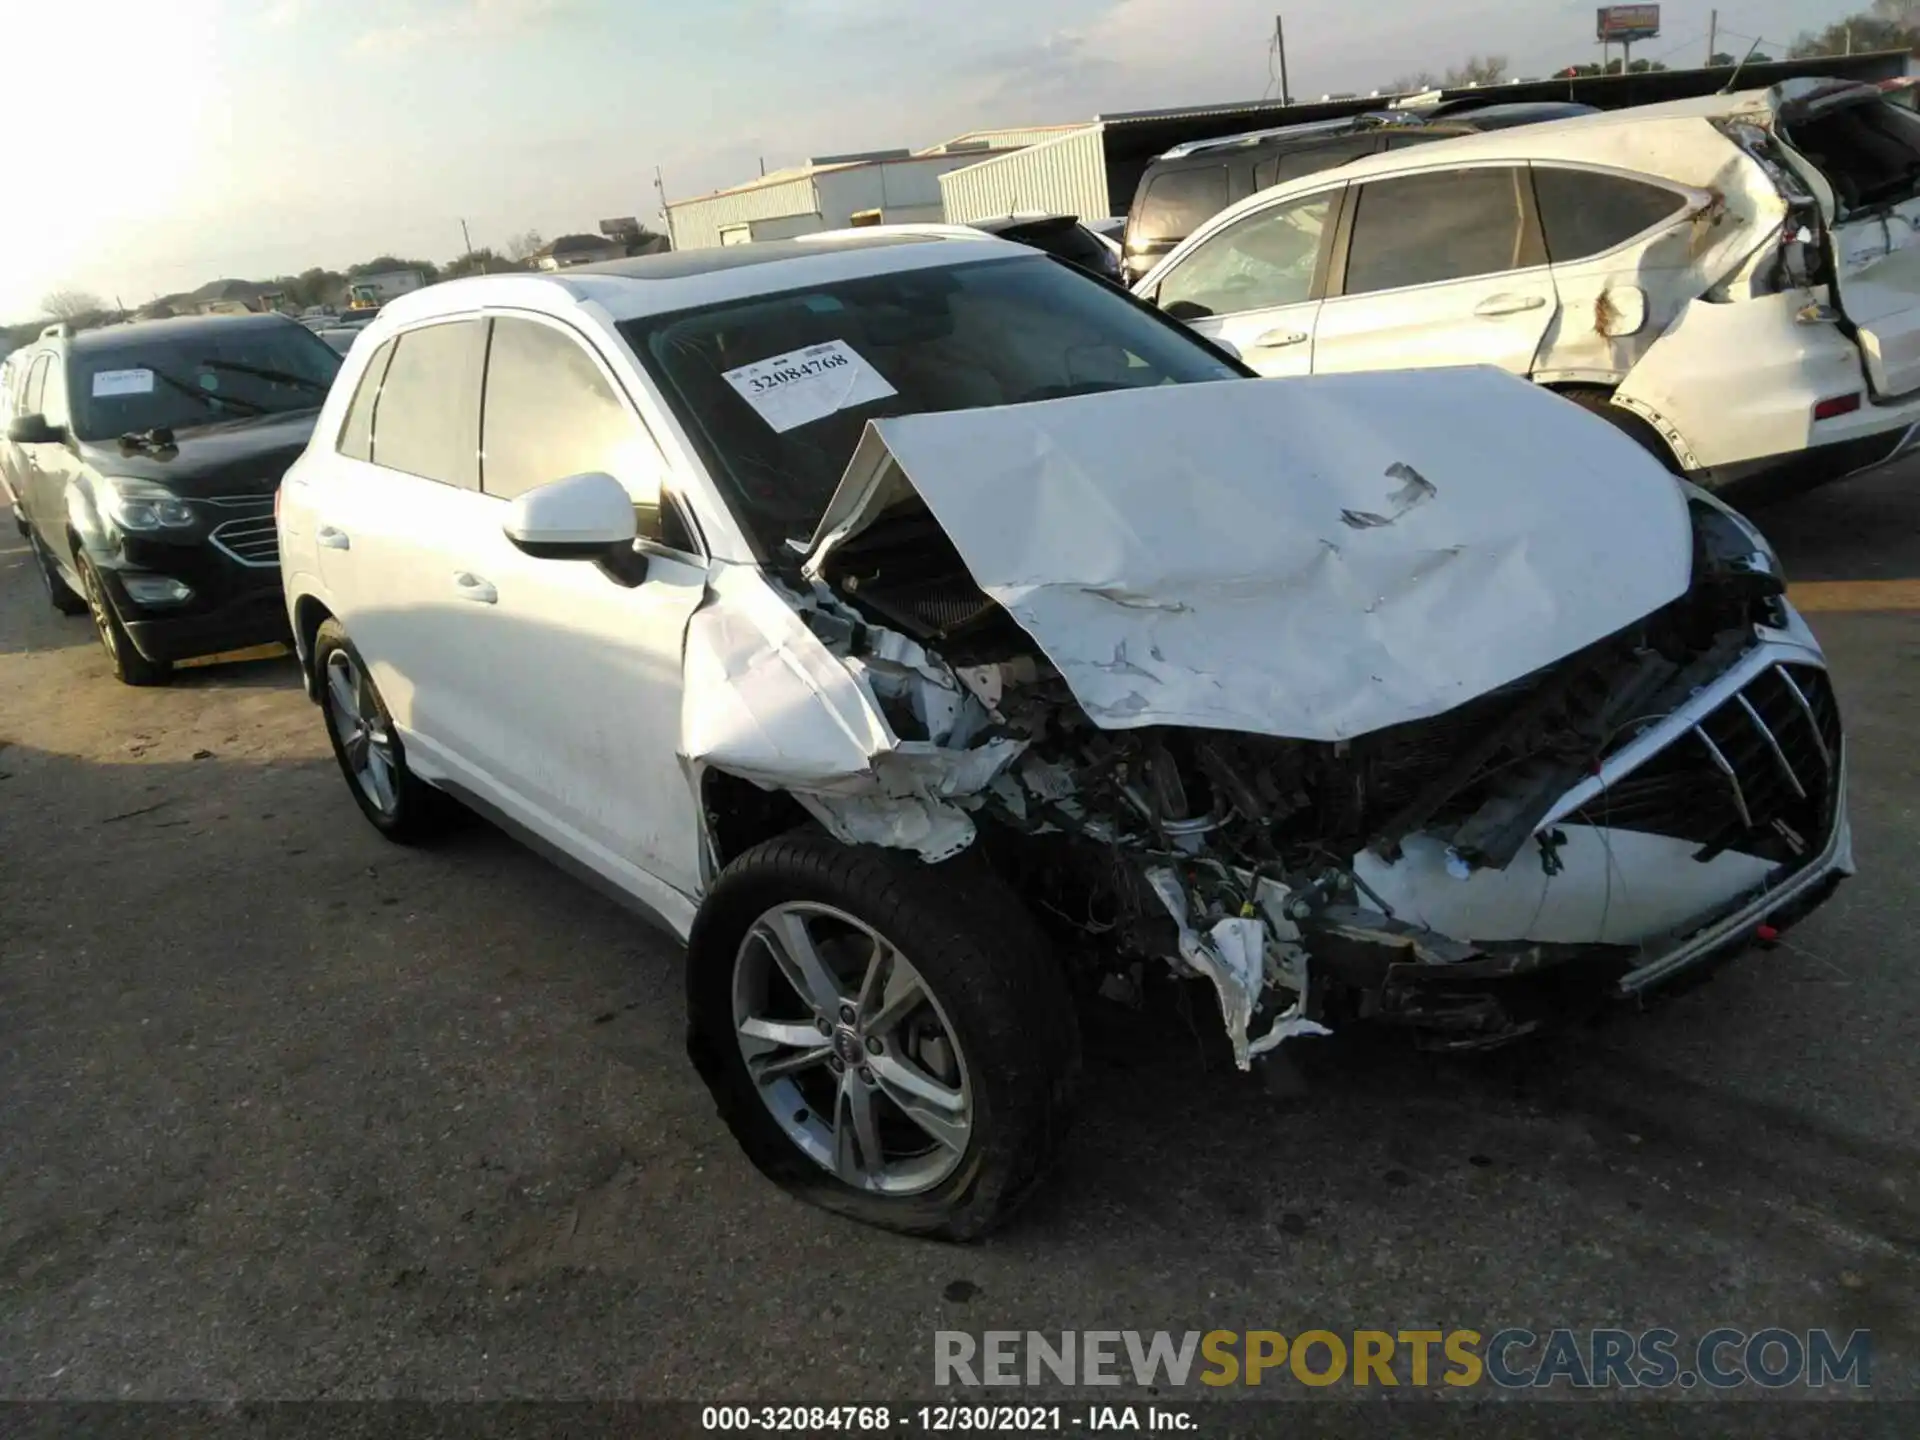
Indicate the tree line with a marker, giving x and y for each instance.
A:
(316, 286)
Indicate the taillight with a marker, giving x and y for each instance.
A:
(1836, 405)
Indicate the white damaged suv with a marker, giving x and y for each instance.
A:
(1733, 280)
(923, 630)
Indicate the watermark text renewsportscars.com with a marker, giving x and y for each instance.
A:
(1513, 1358)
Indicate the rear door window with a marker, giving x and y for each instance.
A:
(427, 418)
(1584, 212)
(1263, 260)
(1178, 202)
(1293, 164)
(1439, 225)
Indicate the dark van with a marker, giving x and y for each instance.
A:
(1192, 183)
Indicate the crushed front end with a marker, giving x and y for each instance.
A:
(1665, 791)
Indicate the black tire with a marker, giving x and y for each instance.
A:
(1600, 402)
(990, 972)
(418, 812)
(59, 594)
(130, 667)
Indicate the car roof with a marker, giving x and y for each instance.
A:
(138, 332)
(1281, 136)
(1551, 139)
(646, 285)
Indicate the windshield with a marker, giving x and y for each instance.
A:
(197, 378)
(777, 389)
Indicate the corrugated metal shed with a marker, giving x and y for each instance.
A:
(1067, 174)
(821, 195)
(696, 224)
(1008, 139)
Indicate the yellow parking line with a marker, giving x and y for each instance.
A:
(229, 657)
(1815, 596)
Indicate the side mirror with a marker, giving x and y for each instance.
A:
(34, 430)
(583, 517)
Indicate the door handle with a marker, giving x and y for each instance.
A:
(1279, 339)
(469, 586)
(332, 539)
(1495, 305)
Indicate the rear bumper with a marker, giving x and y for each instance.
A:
(1773, 476)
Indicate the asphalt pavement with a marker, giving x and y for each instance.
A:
(290, 1112)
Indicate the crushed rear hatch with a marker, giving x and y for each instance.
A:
(1866, 151)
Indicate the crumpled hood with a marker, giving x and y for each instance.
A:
(1314, 558)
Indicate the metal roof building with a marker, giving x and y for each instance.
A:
(831, 191)
(1092, 170)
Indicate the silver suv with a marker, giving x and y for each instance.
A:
(926, 632)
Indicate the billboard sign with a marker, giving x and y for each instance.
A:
(1626, 23)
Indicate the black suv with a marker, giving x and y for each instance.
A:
(143, 461)
(1193, 182)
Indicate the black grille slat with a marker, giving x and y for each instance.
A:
(251, 535)
(1683, 792)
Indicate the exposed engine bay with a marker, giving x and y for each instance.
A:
(1230, 855)
(1438, 741)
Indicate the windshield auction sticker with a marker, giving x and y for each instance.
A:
(122, 382)
(802, 386)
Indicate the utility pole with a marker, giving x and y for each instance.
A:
(1849, 37)
(467, 241)
(1280, 44)
(1713, 35)
(666, 215)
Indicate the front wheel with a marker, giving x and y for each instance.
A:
(400, 806)
(887, 1039)
(130, 667)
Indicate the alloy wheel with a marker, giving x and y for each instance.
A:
(365, 739)
(97, 607)
(850, 1051)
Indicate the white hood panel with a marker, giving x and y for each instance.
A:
(1308, 558)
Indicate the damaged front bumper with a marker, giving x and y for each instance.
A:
(1593, 911)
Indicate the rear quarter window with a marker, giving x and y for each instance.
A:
(1178, 202)
(356, 433)
(1585, 213)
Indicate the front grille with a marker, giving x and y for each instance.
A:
(251, 536)
(1758, 774)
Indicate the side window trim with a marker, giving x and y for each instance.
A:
(1688, 199)
(669, 492)
(1533, 242)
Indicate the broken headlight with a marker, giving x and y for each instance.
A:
(1726, 543)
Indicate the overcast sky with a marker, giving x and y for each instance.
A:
(186, 140)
